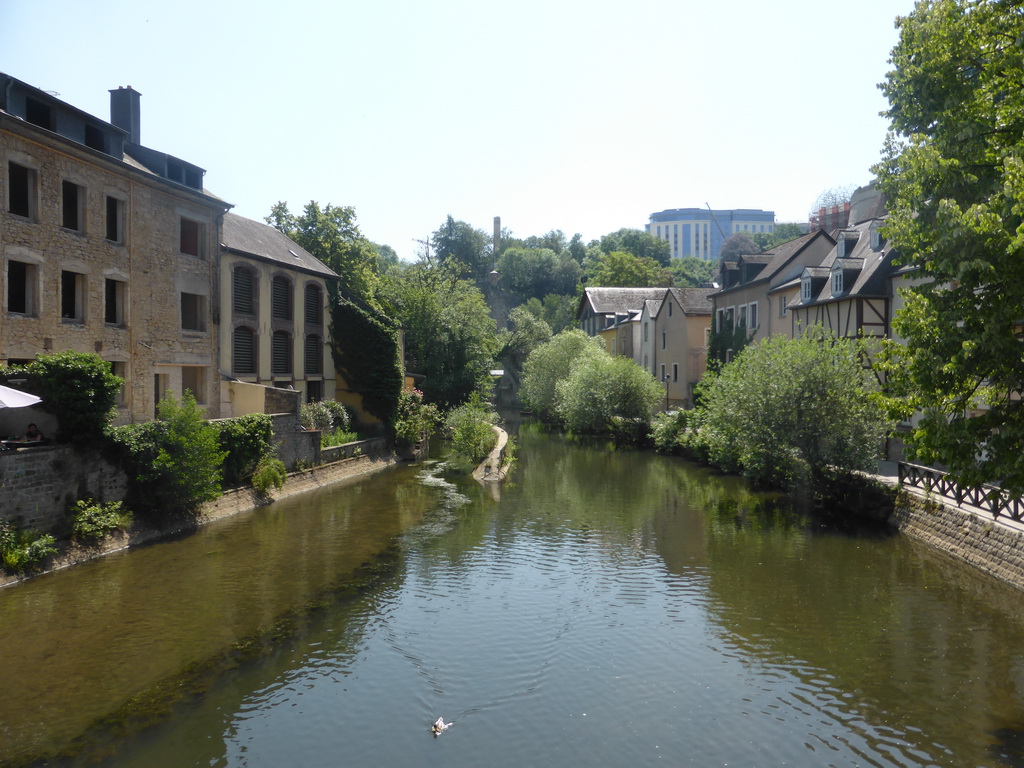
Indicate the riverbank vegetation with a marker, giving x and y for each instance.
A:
(470, 430)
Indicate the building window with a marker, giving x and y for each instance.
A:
(22, 279)
(645, 331)
(783, 301)
(193, 380)
(38, 113)
(675, 371)
(314, 391)
(192, 239)
(743, 316)
(281, 353)
(670, 309)
(805, 289)
(662, 339)
(193, 312)
(243, 351)
(72, 296)
(281, 298)
(837, 282)
(314, 356)
(664, 376)
(243, 291)
(161, 385)
(314, 305)
(21, 190)
(113, 302)
(115, 219)
(72, 206)
(752, 315)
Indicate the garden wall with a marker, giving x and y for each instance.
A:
(38, 484)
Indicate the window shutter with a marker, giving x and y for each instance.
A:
(280, 353)
(314, 315)
(243, 292)
(281, 299)
(243, 351)
(314, 356)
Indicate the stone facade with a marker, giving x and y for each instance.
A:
(101, 254)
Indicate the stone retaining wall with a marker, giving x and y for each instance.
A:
(38, 484)
(995, 547)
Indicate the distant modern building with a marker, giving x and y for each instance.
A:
(700, 232)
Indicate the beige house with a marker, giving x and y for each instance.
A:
(673, 347)
(274, 318)
(107, 247)
(756, 289)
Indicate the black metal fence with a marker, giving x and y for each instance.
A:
(990, 498)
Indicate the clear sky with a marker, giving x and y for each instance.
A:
(576, 115)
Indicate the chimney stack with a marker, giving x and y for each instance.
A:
(125, 111)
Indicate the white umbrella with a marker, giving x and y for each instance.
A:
(13, 398)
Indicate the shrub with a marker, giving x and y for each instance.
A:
(602, 388)
(77, 387)
(785, 411)
(316, 416)
(92, 521)
(338, 437)
(245, 440)
(174, 463)
(270, 472)
(668, 431)
(551, 363)
(414, 419)
(23, 550)
(469, 427)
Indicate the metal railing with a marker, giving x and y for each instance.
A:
(990, 498)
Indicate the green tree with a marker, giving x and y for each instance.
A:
(787, 411)
(450, 336)
(559, 312)
(77, 387)
(641, 244)
(536, 272)
(692, 271)
(603, 389)
(737, 244)
(174, 462)
(782, 233)
(549, 363)
(620, 269)
(332, 235)
(953, 176)
(456, 242)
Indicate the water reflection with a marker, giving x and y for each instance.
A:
(611, 608)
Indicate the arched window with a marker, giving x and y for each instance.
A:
(314, 355)
(281, 298)
(281, 353)
(314, 305)
(243, 351)
(243, 291)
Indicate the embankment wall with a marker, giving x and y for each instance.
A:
(995, 547)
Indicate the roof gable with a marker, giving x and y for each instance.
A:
(251, 238)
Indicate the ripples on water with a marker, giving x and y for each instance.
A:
(613, 609)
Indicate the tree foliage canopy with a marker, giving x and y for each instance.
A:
(458, 243)
(533, 273)
(692, 271)
(737, 244)
(550, 363)
(620, 269)
(787, 410)
(450, 336)
(332, 235)
(953, 176)
(641, 244)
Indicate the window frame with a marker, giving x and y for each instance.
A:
(72, 307)
(27, 189)
(196, 310)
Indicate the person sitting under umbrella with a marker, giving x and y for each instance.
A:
(33, 435)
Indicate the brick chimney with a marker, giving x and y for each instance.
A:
(125, 111)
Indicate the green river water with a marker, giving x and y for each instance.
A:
(605, 608)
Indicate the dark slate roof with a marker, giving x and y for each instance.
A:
(694, 301)
(653, 306)
(261, 241)
(605, 301)
(781, 256)
(875, 267)
(866, 203)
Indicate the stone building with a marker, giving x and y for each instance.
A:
(274, 323)
(107, 246)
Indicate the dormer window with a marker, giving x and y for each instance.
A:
(805, 289)
(837, 282)
(877, 241)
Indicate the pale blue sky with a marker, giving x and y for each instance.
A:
(553, 114)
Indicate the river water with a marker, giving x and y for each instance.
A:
(604, 609)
